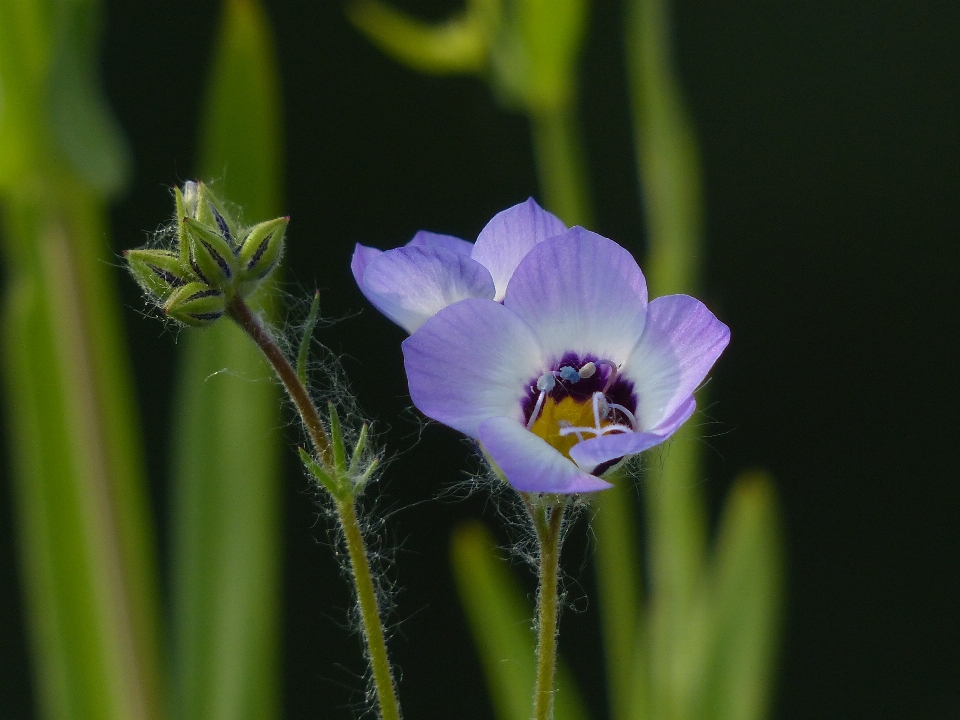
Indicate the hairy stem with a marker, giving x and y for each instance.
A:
(369, 612)
(346, 510)
(242, 315)
(547, 521)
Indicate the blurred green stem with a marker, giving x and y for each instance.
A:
(619, 588)
(558, 146)
(345, 505)
(547, 523)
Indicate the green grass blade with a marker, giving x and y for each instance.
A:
(226, 499)
(85, 537)
(501, 619)
(747, 594)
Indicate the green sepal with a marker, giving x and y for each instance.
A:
(211, 255)
(260, 251)
(334, 485)
(186, 202)
(196, 304)
(158, 272)
(304, 352)
(212, 213)
(336, 440)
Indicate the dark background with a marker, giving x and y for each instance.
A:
(831, 146)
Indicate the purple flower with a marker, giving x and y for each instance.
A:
(539, 343)
(413, 283)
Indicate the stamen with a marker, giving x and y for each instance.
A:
(536, 408)
(588, 370)
(569, 374)
(633, 419)
(567, 429)
(600, 408)
(615, 428)
(546, 382)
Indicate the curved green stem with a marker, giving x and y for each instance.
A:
(547, 520)
(346, 510)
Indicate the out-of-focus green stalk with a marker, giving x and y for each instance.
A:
(84, 531)
(527, 50)
(619, 588)
(227, 492)
(561, 166)
(669, 171)
(712, 619)
(668, 162)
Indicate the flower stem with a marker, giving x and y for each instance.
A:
(242, 315)
(547, 520)
(369, 612)
(345, 506)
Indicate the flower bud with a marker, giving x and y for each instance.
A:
(196, 304)
(212, 213)
(260, 251)
(212, 257)
(158, 272)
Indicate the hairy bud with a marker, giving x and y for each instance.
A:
(196, 304)
(260, 252)
(158, 272)
(212, 256)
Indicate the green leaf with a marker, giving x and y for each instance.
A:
(501, 619)
(82, 123)
(747, 593)
(226, 498)
(84, 528)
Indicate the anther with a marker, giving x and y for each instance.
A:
(588, 370)
(569, 374)
(546, 382)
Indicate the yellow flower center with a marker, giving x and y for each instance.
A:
(554, 416)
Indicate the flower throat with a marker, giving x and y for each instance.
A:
(581, 398)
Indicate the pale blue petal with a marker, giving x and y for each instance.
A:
(362, 256)
(596, 451)
(411, 284)
(471, 361)
(581, 293)
(529, 463)
(425, 238)
(680, 342)
(509, 236)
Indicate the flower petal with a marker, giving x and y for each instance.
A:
(681, 341)
(596, 451)
(362, 256)
(469, 362)
(581, 293)
(509, 236)
(529, 463)
(425, 238)
(410, 284)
